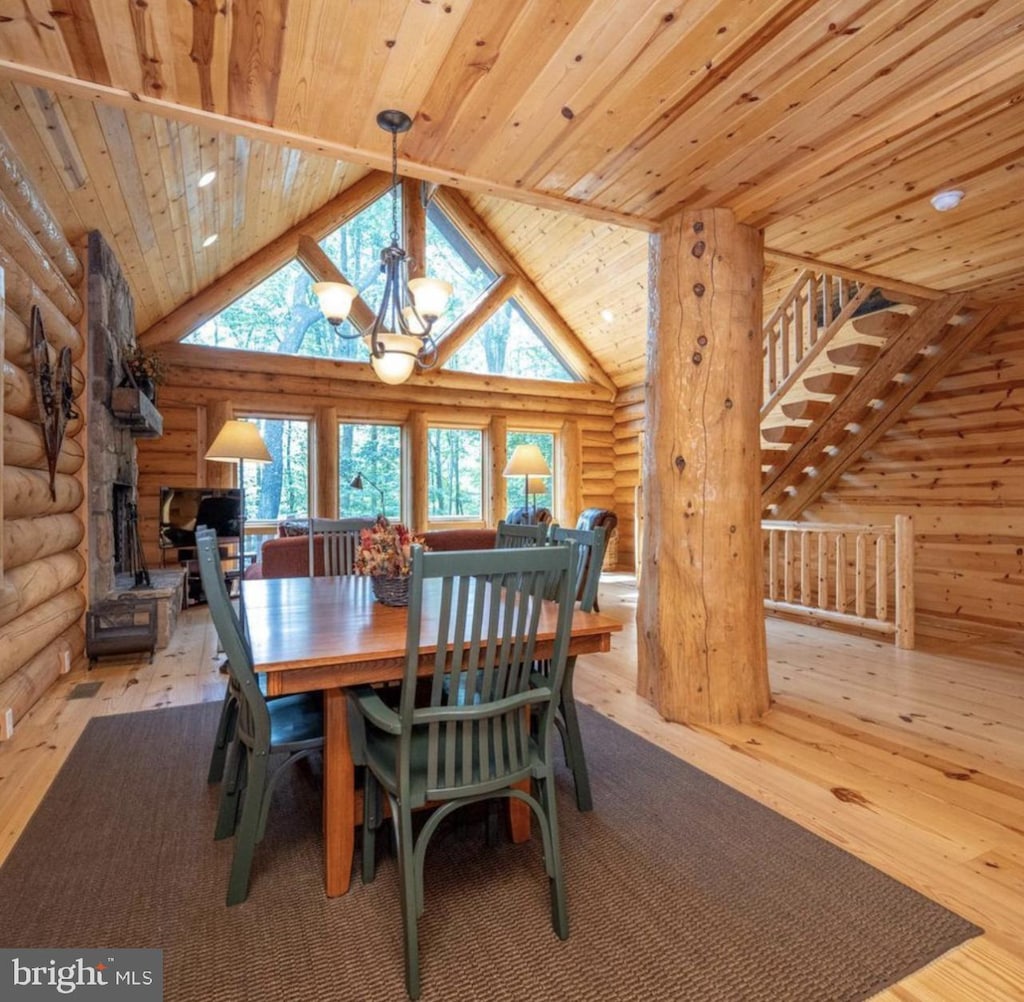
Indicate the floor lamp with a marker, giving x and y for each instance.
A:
(526, 461)
(357, 484)
(535, 485)
(236, 442)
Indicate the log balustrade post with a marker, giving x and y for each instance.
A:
(701, 635)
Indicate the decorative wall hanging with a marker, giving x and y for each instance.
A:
(55, 395)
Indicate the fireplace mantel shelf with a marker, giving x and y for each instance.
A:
(135, 410)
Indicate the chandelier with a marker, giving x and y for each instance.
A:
(400, 339)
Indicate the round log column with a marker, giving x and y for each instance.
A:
(700, 616)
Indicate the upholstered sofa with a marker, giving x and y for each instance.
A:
(288, 556)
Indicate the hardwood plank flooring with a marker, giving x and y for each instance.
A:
(911, 760)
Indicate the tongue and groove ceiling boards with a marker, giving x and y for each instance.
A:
(573, 127)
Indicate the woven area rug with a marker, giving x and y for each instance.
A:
(679, 889)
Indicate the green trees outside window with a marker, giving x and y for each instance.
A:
(280, 488)
(375, 450)
(455, 473)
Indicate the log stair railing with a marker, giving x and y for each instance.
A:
(860, 576)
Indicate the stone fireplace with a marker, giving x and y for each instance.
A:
(113, 471)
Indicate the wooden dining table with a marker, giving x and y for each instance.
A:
(327, 633)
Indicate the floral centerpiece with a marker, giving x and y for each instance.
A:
(385, 551)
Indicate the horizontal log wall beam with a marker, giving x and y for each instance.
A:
(24, 198)
(19, 241)
(27, 635)
(27, 493)
(22, 294)
(26, 539)
(38, 581)
(21, 690)
(241, 374)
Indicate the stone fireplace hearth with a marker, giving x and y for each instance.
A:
(113, 471)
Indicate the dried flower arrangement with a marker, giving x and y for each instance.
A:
(143, 365)
(385, 549)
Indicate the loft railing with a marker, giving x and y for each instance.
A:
(802, 325)
(859, 575)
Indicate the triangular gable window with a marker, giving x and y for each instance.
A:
(281, 315)
(510, 343)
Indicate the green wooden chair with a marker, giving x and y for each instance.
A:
(509, 536)
(338, 539)
(291, 726)
(590, 545)
(440, 746)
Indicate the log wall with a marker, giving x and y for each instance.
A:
(42, 561)
(955, 462)
(205, 384)
(630, 407)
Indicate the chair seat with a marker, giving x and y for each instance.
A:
(296, 721)
(382, 756)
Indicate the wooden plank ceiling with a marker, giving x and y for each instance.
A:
(574, 126)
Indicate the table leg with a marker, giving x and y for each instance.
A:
(519, 814)
(339, 795)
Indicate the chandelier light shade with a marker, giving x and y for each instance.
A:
(527, 461)
(335, 300)
(397, 360)
(400, 339)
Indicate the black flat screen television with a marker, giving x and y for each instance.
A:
(183, 508)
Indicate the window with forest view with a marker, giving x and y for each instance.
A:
(515, 486)
(280, 315)
(455, 473)
(281, 488)
(375, 451)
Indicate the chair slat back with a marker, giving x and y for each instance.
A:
(254, 718)
(590, 547)
(474, 715)
(509, 536)
(339, 538)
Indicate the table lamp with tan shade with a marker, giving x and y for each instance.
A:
(236, 442)
(526, 461)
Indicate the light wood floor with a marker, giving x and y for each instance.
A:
(911, 760)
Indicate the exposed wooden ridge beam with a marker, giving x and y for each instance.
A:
(311, 256)
(118, 97)
(564, 338)
(874, 383)
(492, 300)
(216, 296)
(239, 372)
(902, 398)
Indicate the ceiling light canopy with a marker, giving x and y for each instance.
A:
(207, 178)
(399, 340)
(210, 240)
(943, 201)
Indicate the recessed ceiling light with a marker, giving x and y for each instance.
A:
(211, 239)
(207, 178)
(943, 201)
(607, 316)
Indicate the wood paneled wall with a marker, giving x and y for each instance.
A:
(956, 463)
(630, 408)
(42, 559)
(205, 382)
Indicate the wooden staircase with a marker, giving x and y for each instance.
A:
(838, 377)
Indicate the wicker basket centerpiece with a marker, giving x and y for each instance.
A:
(384, 552)
(390, 590)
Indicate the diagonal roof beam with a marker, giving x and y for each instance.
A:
(273, 256)
(564, 339)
